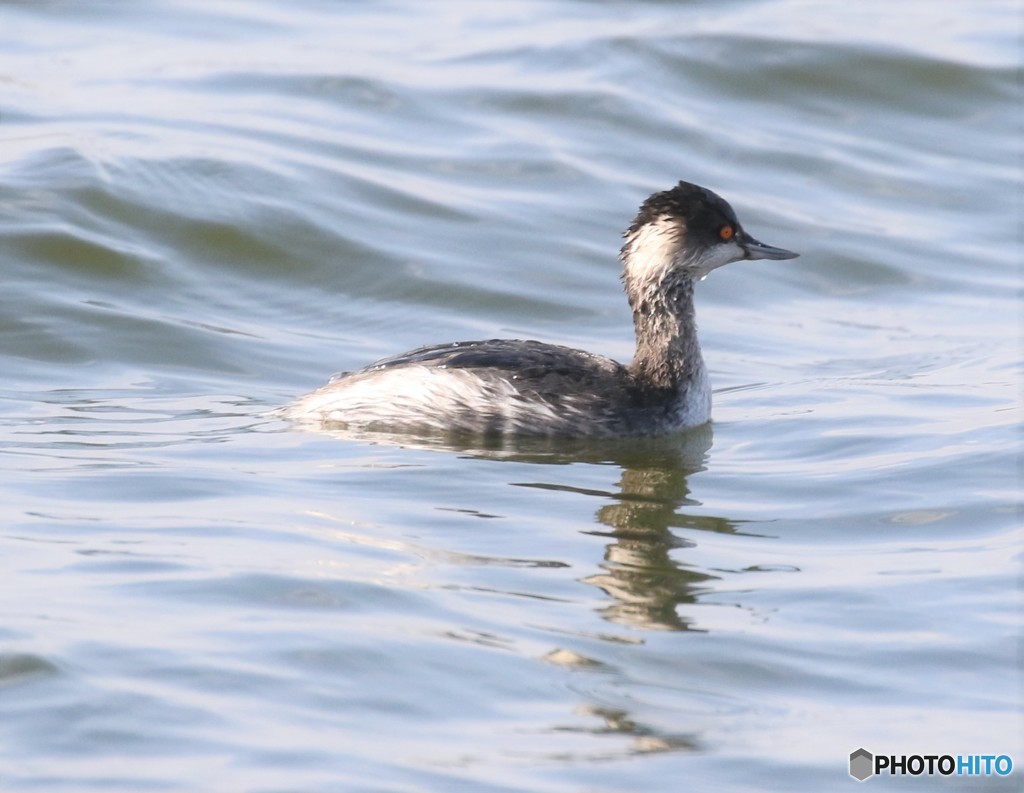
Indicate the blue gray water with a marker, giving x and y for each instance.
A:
(208, 208)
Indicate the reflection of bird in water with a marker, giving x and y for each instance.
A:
(638, 571)
(647, 585)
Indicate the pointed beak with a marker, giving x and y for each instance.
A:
(758, 250)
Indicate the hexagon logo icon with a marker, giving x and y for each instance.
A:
(861, 764)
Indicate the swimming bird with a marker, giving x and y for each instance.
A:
(530, 388)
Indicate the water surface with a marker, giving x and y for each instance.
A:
(206, 209)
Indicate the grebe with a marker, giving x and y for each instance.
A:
(512, 387)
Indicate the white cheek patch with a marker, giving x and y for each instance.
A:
(652, 249)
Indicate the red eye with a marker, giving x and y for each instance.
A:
(726, 232)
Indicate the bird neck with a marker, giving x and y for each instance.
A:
(668, 354)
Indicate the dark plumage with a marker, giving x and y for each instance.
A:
(700, 211)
